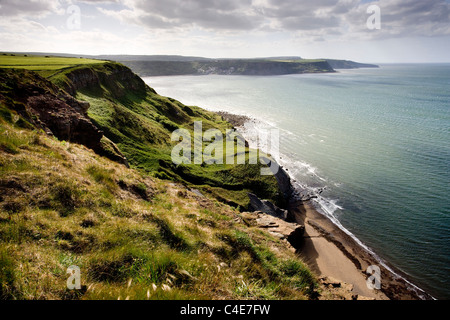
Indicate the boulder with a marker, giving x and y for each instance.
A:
(267, 207)
(292, 232)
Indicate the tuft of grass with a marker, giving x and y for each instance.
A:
(11, 141)
(66, 197)
(256, 290)
(7, 276)
(103, 176)
(173, 238)
(153, 268)
(300, 276)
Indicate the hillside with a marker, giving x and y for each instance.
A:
(119, 116)
(346, 64)
(86, 180)
(133, 236)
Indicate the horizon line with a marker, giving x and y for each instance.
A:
(205, 57)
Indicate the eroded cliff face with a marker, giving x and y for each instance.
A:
(227, 67)
(118, 79)
(51, 109)
(133, 116)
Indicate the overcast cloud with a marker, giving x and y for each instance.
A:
(400, 17)
(248, 26)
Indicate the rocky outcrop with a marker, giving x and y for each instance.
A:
(284, 183)
(63, 118)
(47, 107)
(235, 119)
(339, 290)
(291, 232)
(283, 178)
(304, 195)
(267, 207)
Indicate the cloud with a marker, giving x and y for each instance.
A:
(211, 15)
(345, 17)
(337, 18)
(223, 27)
(35, 8)
(402, 18)
(14, 25)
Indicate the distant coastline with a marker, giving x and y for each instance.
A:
(170, 66)
(173, 65)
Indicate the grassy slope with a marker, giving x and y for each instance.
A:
(132, 236)
(141, 124)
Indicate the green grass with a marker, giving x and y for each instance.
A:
(42, 63)
(133, 236)
(54, 214)
(141, 124)
(103, 177)
(7, 276)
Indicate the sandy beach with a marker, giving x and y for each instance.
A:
(324, 256)
(330, 252)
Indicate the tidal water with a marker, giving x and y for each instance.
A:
(377, 141)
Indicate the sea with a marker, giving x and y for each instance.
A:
(373, 144)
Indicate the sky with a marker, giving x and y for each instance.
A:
(383, 31)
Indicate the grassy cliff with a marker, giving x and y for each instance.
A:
(140, 123)
(132, 234)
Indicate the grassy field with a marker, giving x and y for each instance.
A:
(42, 63)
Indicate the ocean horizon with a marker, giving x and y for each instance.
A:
(374, 142)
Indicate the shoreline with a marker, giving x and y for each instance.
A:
(329, 251)
(318, 228)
